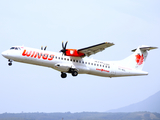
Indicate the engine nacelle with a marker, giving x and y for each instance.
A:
(63, 67)
(74, 53)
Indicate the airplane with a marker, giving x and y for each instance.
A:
(75, 61)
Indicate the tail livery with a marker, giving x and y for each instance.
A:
(138, 58)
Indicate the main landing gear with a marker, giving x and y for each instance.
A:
(63, 75)
(10, 62)
(73, 72)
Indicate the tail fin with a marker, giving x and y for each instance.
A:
(138, 58)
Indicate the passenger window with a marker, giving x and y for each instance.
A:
(103, 65)
(39, 54)
(51, 56)
(79, 61)
(61, 58)
(64, 58)
(70, 59)
(88, 63)
(100, 65)
(73, 60)
(58, 57)
(76, 60)
(85, 62)
(91, 63)
(94, 64)
(67, 59)
(108, 66)
(97, 64)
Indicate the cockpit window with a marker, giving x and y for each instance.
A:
(11, 48)
(15, 48)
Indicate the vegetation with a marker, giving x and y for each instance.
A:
(81, 116)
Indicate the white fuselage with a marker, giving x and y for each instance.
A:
(63, 63)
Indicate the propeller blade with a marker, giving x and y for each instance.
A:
(64, 48)
(66, 44)
(62, 45)
(45, 48)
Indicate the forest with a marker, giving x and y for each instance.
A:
(81, 116)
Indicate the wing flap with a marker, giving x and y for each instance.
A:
(95, 48)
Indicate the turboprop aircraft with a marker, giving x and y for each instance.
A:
(74, 61)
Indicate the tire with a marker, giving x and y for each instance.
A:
(9, 64)
(74, 73)
(63, 75)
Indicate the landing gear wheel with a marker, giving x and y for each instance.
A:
(63, 75)
(9, 60)
(10, 64)
(74, 73)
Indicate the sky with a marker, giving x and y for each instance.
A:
(35, 23)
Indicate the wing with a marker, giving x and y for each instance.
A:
(95, 48)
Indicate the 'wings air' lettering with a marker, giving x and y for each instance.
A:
(38, 55)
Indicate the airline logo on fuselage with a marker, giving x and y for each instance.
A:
(38, 55)
(102, 70)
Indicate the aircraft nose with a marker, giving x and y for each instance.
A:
(5, 53)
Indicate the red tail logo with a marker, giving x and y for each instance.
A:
(139, 59)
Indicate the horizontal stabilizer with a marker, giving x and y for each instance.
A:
(144, 48)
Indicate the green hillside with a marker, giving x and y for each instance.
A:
(81, 116)
(151, 104)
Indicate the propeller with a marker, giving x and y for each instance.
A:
(44, 48)
(64, 48)
(41, 47)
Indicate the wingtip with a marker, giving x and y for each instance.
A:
(109, 43)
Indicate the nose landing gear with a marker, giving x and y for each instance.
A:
(10, 62)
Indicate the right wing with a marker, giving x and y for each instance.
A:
(95, 48)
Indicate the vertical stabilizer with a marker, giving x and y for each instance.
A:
(138, 58)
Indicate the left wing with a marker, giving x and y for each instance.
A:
(95, 48)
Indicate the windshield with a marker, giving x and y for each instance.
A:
(15, 48)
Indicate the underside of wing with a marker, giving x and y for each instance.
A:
(95, 48)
